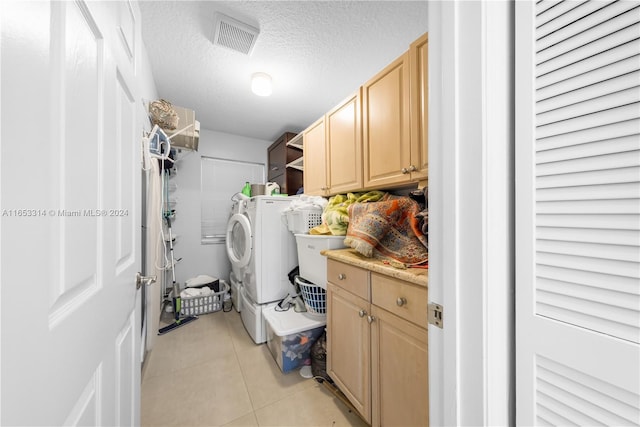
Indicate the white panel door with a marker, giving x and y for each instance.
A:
(578, 213)
(70, 213)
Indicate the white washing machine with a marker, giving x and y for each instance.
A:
(272, 255)
(238, 239)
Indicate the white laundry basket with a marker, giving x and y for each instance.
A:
(303, 220)
(314, 297)
(193, 306)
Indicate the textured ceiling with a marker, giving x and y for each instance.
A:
(317, 53)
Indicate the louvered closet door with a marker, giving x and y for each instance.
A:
(578, 213)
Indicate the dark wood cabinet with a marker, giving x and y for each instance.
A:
(282, 152)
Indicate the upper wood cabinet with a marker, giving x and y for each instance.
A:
(418, 60)
(344, 146)
(386, 126)
(333, 150)
(277, 157)
(315, 159)
(377, 137)
(279, 154)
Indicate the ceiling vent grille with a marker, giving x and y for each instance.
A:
(234, 35)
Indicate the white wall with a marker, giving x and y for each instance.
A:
(198, 258)
(148, 91)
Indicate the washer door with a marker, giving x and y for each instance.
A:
(239, 240)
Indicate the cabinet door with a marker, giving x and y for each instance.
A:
(344, 146)
(385, 126)
(277, 158)
(315, 159)
(400, 383)
(419, 130)
(348, 347)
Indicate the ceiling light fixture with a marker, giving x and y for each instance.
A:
(261, 84)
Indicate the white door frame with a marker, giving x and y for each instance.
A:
(471, 213)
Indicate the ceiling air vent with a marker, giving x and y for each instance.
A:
(233, 34)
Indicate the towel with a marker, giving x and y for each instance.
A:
(202, 279)
(388, 229)
(307, 202)
(196, 292)
(335, 217)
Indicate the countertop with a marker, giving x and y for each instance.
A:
(417, 276)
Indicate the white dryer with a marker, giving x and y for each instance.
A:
(272, 255)
(238, 241)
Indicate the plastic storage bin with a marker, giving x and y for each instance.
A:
(290, 336)
(313, 266)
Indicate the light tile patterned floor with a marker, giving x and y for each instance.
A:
(210, 373)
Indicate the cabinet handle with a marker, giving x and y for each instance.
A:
(275, 168)
(362, 313)
(404, 170)
(371, 319)
(401, 301)
(342, 276)
(412, 168)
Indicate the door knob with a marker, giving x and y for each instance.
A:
(412, 168)
(342, 276)
(401, 301)
(371, 319)
(362, 313)
(404, 170)
(147, 280)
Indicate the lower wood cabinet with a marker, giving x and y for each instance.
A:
(378, 358)
(349, 348)
(399, 377)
